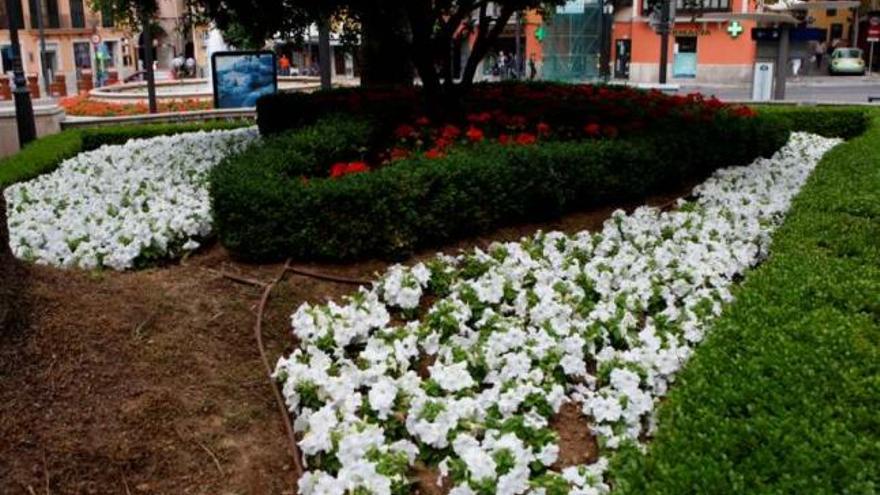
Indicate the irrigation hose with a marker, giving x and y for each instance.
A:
(282, 408)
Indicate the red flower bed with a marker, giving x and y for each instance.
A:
(85, 106)
(516, 115)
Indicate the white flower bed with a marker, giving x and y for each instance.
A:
(116, 205)
(602, 319)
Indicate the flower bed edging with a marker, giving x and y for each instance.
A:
(602, 319)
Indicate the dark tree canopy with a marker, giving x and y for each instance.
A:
(396, 35)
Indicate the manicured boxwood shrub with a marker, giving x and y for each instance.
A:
(45, 154)
(268, 203)
(828, 121)
(783, 396)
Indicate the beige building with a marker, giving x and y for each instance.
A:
(71, 29)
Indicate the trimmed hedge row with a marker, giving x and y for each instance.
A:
(265, 210)
(784, 395)
(842, 122)
(45, 154)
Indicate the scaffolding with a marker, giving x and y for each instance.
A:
(572, 42)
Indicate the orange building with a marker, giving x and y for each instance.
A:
(698, 50)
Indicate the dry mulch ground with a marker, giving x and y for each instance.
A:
(150, 381)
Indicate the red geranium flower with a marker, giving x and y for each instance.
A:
(474, 134)
(524, 138)
(543, 128)
(504, 139)
(399, 153)
(450, 132)
(338, 169)
(434, 153)
(423, 121)
(404, 131)
(356, 167)
(442, 143)
(592, 129)
(479, 118)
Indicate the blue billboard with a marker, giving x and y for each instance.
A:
(240, 78)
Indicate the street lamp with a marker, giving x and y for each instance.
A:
(24, 111)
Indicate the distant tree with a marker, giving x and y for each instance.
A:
(136, 15)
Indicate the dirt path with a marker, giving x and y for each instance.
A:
(150, 382)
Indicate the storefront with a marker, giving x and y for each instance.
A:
(698, 50)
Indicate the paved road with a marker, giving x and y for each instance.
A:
(817, 90)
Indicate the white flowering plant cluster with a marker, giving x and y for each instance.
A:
(459, 364)
(121, 206)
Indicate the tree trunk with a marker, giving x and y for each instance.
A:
(384, 37)
(486, 38)
(324, 54)
(148, 63)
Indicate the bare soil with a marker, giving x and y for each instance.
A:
(150, 382)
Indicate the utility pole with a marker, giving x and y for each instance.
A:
(24, 110)
(148, 61)
(38, 7)
(324, 53)
(781, 62)
(664, 38)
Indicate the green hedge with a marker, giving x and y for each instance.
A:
(843, 122)
(264, 209)
(784, 396)
(45, 154)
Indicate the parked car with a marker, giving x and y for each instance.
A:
(846, 61)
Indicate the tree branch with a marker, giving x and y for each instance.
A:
(484, 42)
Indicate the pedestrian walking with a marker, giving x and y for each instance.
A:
(533, 68)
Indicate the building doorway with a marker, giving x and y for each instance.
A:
(685, 62)
(621, 58)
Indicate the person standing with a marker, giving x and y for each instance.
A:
(819, 53)
(533, 68)
(284, 65)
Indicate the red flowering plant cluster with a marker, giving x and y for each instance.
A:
(433, 141)
(528, 114)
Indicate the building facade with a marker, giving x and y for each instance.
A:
(699, 50)
(71, 29)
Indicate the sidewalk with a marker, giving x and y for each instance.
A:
(821, 81)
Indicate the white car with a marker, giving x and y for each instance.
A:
(846, 61)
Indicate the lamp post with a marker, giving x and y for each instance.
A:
(24, 111)
(664, 37)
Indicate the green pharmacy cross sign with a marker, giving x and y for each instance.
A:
(540, 34)
(735, 29)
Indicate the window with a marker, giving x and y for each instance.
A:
(831, 12)
(49, 11)
(77, 14)
(82, 54)
(111, 52)
(4, 16)
(107, 19)
(836, 31)
(6, 52)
